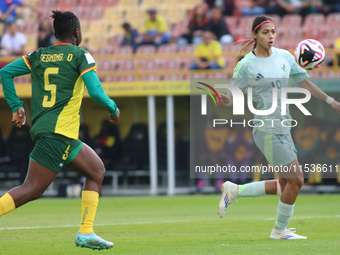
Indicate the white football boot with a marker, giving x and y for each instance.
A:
(229, 195)
(285, 234)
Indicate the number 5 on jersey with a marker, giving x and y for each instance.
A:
(50, 87)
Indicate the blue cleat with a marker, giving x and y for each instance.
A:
(92, 241)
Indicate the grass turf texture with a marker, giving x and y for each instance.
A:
(174, 225)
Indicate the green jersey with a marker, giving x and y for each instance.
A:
(58, 88)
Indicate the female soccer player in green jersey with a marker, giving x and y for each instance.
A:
(59, 73)
(262, 69)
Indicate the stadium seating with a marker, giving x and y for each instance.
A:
(102, 31)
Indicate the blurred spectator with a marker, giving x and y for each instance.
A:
(208, 54)
(129, 36)
(279, 7)
(330, 6)
(197, 24)
(45, 34)
(13, 42)
(155, 29)
(336, 47)
(218, 26)
(7, 10)
(256, 9)
(229, 6)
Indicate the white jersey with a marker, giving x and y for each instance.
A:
(262, 74)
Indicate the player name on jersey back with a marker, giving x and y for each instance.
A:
(52, 57)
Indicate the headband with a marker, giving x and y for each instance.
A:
(262, 23)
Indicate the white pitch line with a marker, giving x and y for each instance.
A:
(103, 224)
(310, 217)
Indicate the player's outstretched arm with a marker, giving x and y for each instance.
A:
(98, 94)
(14, 69)
(227, 99)
(318, 93)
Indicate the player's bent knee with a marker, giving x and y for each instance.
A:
(99, 173)
(297, 182)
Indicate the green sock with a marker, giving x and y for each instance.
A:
(284, 213)
(253, 189)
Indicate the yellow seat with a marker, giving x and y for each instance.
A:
(99, 27)
(128, 3)
(97, 42)
(175, 14)
(32, 44)
(152, 3)
(114, 13)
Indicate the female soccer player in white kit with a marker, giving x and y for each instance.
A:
(262, 69)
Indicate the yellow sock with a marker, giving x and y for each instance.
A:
(6, 204)
(89, 203)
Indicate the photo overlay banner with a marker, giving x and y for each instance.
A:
(263, 128)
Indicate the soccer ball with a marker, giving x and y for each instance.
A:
(309, 54)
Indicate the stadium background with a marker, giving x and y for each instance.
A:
(153, 81)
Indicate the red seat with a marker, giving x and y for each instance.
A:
(127, 66)
(127, 78)
(146, 49)
(167, 48)
(316, 33)
(290, 34)
(109, 3)
(184, 63)
(89, 13)
(174, 77)
(124, 50)
(168, 64)
(314, 20)
(246, 22)
(235, 47)
(229, 62)
(232, 22)
(291, 21)
(66, 5)
(104, 65)
(187, 48)
(90, 3)
(243, 32)
(333, 20)
(333, 33)
(148, 65)
(48, 3)
(103, 51)
(150, 77)
(275, 18)
(116, 39)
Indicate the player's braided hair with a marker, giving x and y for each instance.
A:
(64, 23)
(255, 28)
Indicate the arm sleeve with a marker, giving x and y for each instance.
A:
(297, 73)
(240, 77)
(163, 25)
(97, 92)
(14, 69)
(218, 50)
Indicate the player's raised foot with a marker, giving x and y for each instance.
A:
(285, 234)
(92, 241)
(229, 195)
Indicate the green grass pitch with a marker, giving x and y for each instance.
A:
(173, 225)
